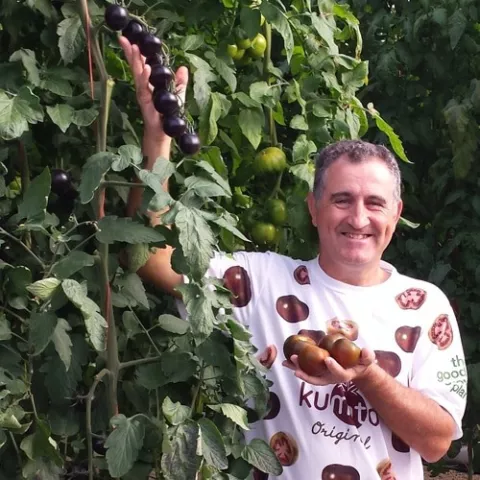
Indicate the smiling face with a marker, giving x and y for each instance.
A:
(355, 217)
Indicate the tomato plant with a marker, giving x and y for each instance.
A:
(101, 377)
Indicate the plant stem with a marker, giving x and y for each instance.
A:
(25, 175)
(15, 446)
(83, 242)
(145, 331)
(88, 419)
(13, 314)
(267, 28)
(19, 242)
(138, 361)
(193, 407)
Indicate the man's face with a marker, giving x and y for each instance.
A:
(355, 215)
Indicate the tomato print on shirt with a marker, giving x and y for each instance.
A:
(441, 333)
(411, 299)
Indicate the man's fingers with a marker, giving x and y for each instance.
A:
(126, 47)
(181, 82)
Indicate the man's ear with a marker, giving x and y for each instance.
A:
(399, 210)
(312, 207)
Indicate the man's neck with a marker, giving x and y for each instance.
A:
(362, 276)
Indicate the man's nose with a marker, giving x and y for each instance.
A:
(359, 217)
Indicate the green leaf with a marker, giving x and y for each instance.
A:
(72, 263)
(173, 324)
(280, 23)
(17, 112)
(112, 229)
(27, 57)
(304, 172)
(92, 174)
(299, 122)
(439, 272)
(208, 120)
(326, 32)
(133, 289)
(35, 199)
(215, 176)
(355, 78)
(408, 223)
(61, 115)
(180, 462)
(303, 149)
(64, 421)
(96, 327)
(251, 121)
(128, 154)
(41, 328)
(250, 21)
(223, 70)
(204, 188)
(265, 94)
(124, 444)
(62, 342)
(44, 289)
(226, 222)
(54, 81)
(5, 332)
(175, 413)
(457, 23)
(196, 239)
(84, 117)
(213, 447)
(261, 456)
(192, 42)
(40, 444)
(43, 468)
(202, 76)
(235, 413)
(71, 40)
(394, 139)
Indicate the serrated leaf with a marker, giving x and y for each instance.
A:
(92, 174)
(132, 288)
(17, 112)
(265, 94)
(173, 324)
(261, 456)
(72, 263)
(175, 412)
(64, 421)
(44, 289)
(208, 120)
(71, 40)
(326, 32)
(5, 332)
(61, 115)
(280, 23)
(213, 447)
(223, 70)
(226, 223)
(41, 467)
(304, 172)
(96, 327)
(27, 57)
(124, 444)
(251, 122)
(41, 328)
(202, 76)
(196, 239)
(84, 117)
(215, 175)
(128, 154)
(112, 229)
(235, 413)
(457, 23)
(394, 139)
(192, 42)
(303, 149)
(53, 81)
(180, 463)
(35, 199)
(204, 188)
(62, 342)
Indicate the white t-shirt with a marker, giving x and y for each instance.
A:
(332, 433)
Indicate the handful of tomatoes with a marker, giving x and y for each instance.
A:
(165, 100)
(311, 356)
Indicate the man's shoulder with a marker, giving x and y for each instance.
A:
(256, 259)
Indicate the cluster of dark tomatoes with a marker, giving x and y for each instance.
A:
(165, 99)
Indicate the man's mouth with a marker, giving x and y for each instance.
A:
(357, 236)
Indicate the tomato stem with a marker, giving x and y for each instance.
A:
(267, 28)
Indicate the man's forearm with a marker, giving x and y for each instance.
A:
(153, 147)
(418, 420)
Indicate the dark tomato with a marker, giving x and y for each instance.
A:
(154, 60)
(346, 353)
(165, 102)
(189, 143)
(133, 31)
(61, 183)
(294, 344)
(328, 341)
(116, 17)
(174, 126)
(161, 76)
(98, 445)
(312, 360)
(149, 45)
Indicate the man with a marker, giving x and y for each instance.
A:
(406, 398)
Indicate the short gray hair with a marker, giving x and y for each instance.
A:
(356, 151)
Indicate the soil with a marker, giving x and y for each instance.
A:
(451, 475)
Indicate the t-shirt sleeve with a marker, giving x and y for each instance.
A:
(439, 370)
(245, 274)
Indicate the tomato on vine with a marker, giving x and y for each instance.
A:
(116, 17)
(258, 47)
(277, 211)
(264, 234)
(270, 160)
(235, 53)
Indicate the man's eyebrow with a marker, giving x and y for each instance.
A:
(346, 194)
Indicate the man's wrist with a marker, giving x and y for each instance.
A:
(372, 378)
